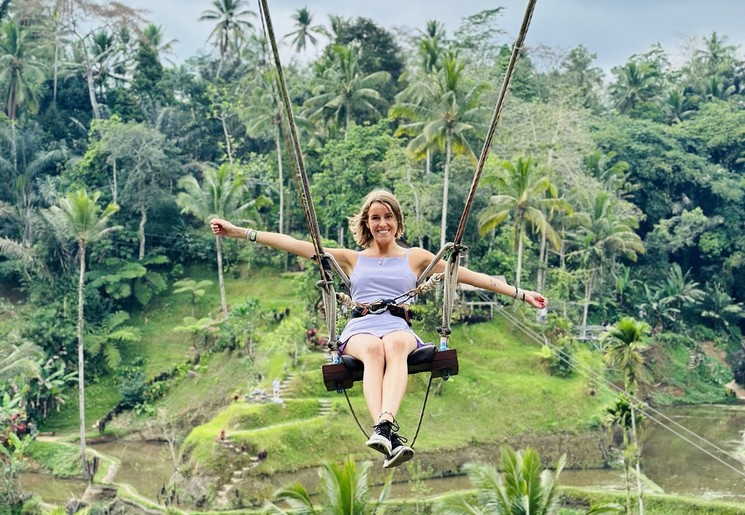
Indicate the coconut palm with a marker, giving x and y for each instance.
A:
(19, 70)
(79, 217)
(606, 236)
(523, 487)
(439, 111)
(526, 194)
(429, 46)
(343, 91)
(346, 492)
(152, 35)
(624, 347)
(24, 157)
(304, 30)
(232, 24)
(219, 195)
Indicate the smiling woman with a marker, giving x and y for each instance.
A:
(381, 277)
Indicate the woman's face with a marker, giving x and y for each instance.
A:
(382, 223)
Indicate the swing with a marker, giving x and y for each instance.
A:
(439, 361)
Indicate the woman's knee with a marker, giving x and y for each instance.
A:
(398, 344)
(367, 349)
(375, 352)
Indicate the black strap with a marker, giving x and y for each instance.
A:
(376, 309)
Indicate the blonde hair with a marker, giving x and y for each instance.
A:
(358, 223)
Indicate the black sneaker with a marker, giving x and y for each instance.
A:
(400, 452)
(380, 439)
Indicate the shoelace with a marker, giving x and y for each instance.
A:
(393, 424)
(400, 438)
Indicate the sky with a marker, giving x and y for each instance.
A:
(614, 30)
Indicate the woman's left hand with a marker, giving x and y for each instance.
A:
(535, 299)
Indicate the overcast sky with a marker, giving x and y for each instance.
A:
(612, 29)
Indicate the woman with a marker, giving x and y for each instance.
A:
(380, 338)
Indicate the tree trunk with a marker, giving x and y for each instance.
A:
(114, 186)
(221, 279)
(586, 303)
(12, 100)
(281, 181)
(519, 272)
(445, 187)
(228, 146)
(81, 361)
(639, 492)
(91, 89)
(563, 267)
(543, 262)
(141, 231)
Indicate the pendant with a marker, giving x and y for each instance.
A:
(380, 261)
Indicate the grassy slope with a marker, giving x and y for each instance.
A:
(500, 392)
(163, 348)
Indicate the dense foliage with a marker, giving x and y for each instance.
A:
(618, 196)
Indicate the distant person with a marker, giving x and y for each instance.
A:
(276, 385)
(378, 332)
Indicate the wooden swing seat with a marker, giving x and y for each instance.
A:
(441, 363)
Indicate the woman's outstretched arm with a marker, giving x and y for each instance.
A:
(481, 280)
(276, 240)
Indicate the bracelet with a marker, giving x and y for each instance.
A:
(519, 294)
(252, 234)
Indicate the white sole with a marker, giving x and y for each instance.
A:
(380, 444)
(402, 456)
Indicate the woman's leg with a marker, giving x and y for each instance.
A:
(384, 383)
(369, 349)
(397, 347)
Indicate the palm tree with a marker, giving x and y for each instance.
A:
(304, 30)
(679, 290)
(624, 347)
(523, 487)
(429, 46)
(724, 313)
(152, 35)
(264, 117)
(638, 81)
(527, 195)
(23, 159)
(19, 70)
(78, 216)
(582, 77)
(219, 195)
(232, 23)
(346, 491)
(607, 235)
(441, 112)
(343, 91)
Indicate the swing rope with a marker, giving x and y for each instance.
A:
(327, 263)
(516, 49)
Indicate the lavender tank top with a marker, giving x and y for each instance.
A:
(376, 279)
